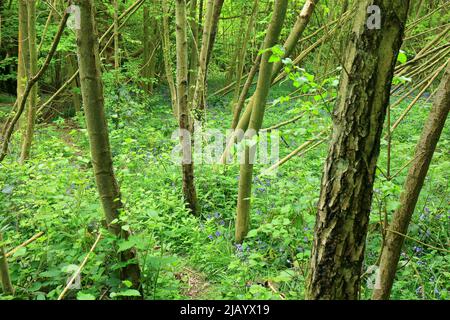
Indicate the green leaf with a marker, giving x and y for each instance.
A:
(20, 252)
(85, 296)
(126, 293)
(252, 233)
(402, 58)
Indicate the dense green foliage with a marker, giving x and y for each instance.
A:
(183, 256)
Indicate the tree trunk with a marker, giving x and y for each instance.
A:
(259, 100)
(232, 64)
(296, 32)
(289, 45)
(72, 68)
(23, 51)
(150, 43)
(198, 102)
(194, 50)
(116, 39)
(242, 53)
(218, 4)
(413, 184)
(347, 182)
(31, 108)
(4, 271)
(189, 192)
(166, 57)
(97, 127)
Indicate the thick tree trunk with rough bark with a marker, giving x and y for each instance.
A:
(347, 183)
(189, 192)
(97, 127)
(413, 184)
(259, 100)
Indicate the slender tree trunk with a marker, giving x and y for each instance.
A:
(116, 39)
(198, 103)
(72, 67)
(23, 51)
(243, 51)
(347, 182)
(4, 270)
(189, 192)
(296, 32)
(31, 108)
(150, 41)
(290, 44)
(194, 50)
(232, 64)
(146, 53)
(218, 4)
(413, 184)
(243, 96)
(166, 57)
(259, 100)
(93, 101)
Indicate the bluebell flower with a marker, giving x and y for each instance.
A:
(239, 247)
(222, 222)
(210, 237)
(305, 239)
(216, 215)
(427, 210)
(8, 189)
(417, 249)
(218, 234)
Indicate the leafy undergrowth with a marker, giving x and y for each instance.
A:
(187, 257)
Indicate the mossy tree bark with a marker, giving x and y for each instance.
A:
(97, 127)
(28, 130)
(347, 182)
(413, 184)
(189, 192)
(259, 100)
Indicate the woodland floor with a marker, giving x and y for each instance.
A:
(186, 257)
